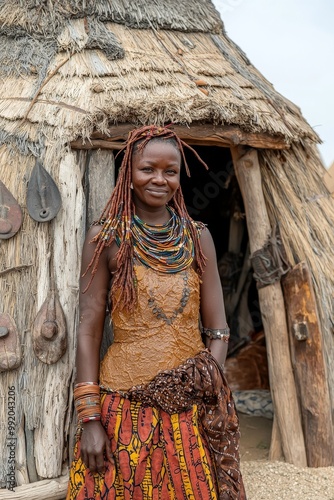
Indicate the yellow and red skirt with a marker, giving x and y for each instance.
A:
(157, 456)
(165, 455)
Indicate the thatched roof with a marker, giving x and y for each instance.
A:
(47, 18)
(84, 68)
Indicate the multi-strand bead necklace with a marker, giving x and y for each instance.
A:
(167, 248)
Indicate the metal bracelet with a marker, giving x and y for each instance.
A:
(217, 333)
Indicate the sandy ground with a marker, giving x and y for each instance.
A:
(266, 480)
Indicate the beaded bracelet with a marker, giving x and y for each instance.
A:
(87, 401)
(82, 384)
(217, 333)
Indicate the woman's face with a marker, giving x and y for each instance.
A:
(155, 174)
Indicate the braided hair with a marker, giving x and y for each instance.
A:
(117, 215)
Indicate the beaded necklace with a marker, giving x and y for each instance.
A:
(167, 248)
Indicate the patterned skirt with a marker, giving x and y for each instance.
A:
(175, 438)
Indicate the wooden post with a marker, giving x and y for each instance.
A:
(100, 181)
(275, 452)
(309, 366)
(48, 384)
(282, 382)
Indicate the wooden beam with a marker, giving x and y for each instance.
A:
(272, 307)
(309, 366)
(96, 144)
(234, 136)
(114, 145)
(52, 489)
(204, 135)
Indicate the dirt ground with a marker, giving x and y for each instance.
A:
(266, 480)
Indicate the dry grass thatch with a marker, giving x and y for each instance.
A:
(85, 72)
(45, 18)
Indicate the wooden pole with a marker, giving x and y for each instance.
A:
(48, 385)
(52, 489)
(282, 382)
(100, 182)
(309, 366)
(275, 452)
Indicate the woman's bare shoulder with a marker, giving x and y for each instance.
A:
(206, 238)
(108, 254)
(93, 231)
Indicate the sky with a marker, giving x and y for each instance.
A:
(292, 43)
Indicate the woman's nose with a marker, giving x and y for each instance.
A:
(159, 178)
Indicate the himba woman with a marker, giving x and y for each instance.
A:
(156, 418)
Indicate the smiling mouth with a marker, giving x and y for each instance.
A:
(157, 191)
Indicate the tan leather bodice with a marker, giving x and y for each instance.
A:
(160, 333)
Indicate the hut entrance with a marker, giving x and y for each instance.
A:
(214, 198)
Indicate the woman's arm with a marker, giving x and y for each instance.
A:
(92, 309)
(212, 301)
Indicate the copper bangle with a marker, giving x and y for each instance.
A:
(87, 401)
(81, 384)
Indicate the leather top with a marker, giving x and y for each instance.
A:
(160, 333)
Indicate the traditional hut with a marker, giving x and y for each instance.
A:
(75, 78)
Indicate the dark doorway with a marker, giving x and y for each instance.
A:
(207, 192)
(213, 197)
